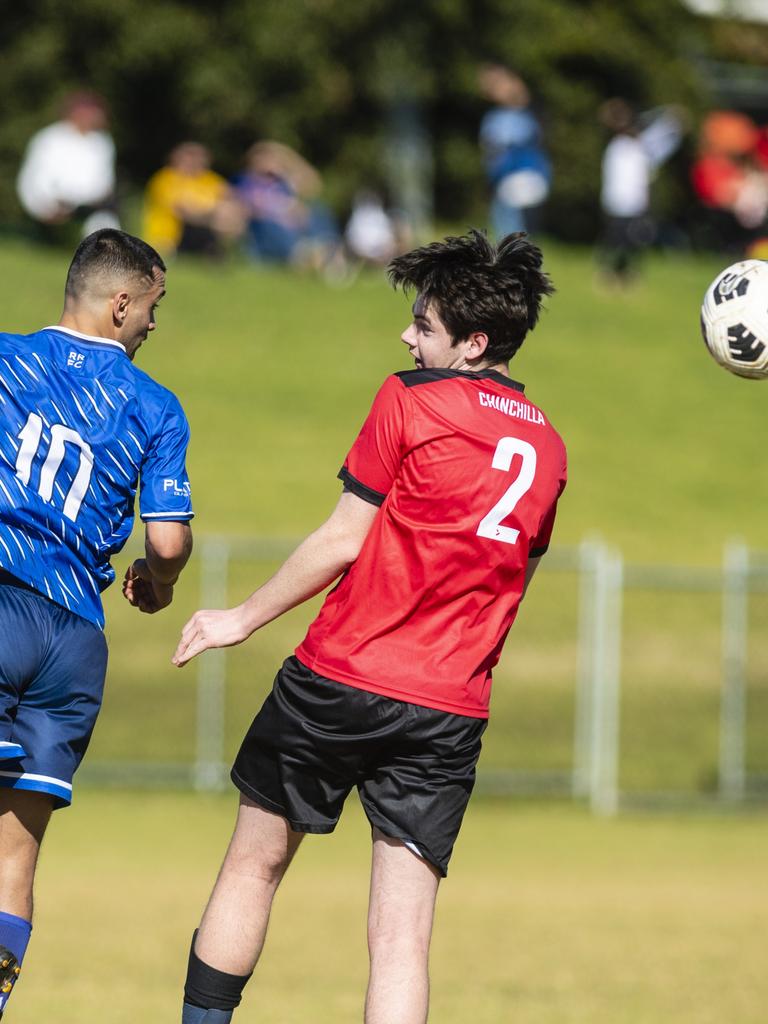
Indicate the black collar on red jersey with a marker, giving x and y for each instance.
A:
(413, 377)
(500, 378)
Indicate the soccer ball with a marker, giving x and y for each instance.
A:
(734, 318)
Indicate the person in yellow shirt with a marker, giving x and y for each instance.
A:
(188, 207)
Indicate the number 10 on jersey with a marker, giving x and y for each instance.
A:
(30, 436)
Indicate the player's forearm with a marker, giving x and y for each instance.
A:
(323, 556)
(316, 563)
(168, 551)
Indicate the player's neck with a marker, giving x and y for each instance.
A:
(502, 368)
(84, 322)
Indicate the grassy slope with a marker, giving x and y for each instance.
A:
(548, 917)
(276, 373)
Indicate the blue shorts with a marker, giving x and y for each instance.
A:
(52, 669)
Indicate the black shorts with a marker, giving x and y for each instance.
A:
(314, 739)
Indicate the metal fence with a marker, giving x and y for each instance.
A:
(603, 583)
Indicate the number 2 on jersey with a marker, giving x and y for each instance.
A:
(506, 449)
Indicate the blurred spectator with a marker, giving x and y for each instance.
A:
(188, 208)
(516, 164)
(371, 233)
(730, 178)
(638, 147)
(67, 175)
(286, 220)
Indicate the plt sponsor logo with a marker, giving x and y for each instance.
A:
(177, 489)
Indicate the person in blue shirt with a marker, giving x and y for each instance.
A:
(80, 429)
(516, 163)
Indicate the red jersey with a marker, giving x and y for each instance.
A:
(467, 473)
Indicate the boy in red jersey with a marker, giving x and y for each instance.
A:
(449, 500)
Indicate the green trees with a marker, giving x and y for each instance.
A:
(324, 76)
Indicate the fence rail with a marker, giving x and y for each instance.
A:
(603, 582)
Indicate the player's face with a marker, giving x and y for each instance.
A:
(140, 318)
(428, 340)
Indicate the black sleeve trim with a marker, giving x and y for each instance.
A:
(538, 552)
(353, 485)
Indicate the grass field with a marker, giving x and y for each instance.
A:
(547, 917)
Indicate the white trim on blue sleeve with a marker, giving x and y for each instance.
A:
(167, 515)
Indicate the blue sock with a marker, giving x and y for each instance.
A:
(14, 937)
(199, 1015)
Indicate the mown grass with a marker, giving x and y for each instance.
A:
(548, 916)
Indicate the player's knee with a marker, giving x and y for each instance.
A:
(400, 923)
(399, 938)
(260, 865)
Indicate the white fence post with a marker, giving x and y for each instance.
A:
(209, 768)
(733, 701)
(589, 555)
(606, 683)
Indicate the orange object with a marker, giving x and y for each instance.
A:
(729, 133)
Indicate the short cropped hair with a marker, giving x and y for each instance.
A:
(111, 253)
(476, 286)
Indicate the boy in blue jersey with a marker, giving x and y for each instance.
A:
(80, 428)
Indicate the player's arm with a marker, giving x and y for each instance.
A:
(318, 561)
(149, 581)
(165, 506)
(168, 546)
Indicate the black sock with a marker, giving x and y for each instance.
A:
(211, 989)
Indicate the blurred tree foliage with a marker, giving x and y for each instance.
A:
(323, 75)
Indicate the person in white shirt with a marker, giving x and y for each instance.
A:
(68, 171)
(371, 232)
(636, 150)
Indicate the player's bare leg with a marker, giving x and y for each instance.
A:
(234, 925)
(400, 914)
(23, 820)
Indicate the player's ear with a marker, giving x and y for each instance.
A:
(477, 344)
(120, 303)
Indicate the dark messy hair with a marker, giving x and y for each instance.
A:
(110, 252)
(476, 286)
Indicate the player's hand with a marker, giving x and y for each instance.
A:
(143, 591)
(207, 629)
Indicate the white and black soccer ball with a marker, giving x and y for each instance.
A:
(734, 318)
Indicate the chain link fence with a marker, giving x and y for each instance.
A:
(620, 684)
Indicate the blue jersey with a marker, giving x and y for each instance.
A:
(80, 428)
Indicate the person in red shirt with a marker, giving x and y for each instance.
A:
(448, 504)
